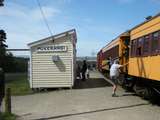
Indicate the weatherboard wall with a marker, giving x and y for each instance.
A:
(46, 73)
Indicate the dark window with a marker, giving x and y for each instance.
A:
(155, 43)
(133, 48)
(140, 41)
(139, 51)
(146, 45)
(139, 46)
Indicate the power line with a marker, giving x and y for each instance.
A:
(44, 18)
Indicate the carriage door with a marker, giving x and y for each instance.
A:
(124, 51)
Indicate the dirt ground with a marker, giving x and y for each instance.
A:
(88, 100)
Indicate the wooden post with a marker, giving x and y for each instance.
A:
(2, 86)
(8, 101)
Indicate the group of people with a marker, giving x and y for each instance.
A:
(114, 67)
(83, 72)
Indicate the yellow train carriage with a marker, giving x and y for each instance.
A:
(110, 51)
(145, 50)
(116, 49)
(140, 46)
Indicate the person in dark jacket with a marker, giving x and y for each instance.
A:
(84, 69)
(79, 71)
(110, 62)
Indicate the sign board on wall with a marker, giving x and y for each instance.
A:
(52, 48)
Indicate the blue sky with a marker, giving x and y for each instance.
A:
(96, 21)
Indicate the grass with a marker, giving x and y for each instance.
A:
(18, 83)
(5, 116)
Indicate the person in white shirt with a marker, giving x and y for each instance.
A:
(87, 73)
(114, 74)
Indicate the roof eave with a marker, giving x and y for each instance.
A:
(72, 31)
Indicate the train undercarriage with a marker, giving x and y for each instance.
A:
(145, 88)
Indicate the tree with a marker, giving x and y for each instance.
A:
(1, 2)
(9, 62)
(3, 47)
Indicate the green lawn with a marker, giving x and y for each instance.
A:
(18, 82)
(5, 116)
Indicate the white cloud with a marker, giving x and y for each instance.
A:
(24, 24)
(48, 11)
(22, 12)
(12, 12)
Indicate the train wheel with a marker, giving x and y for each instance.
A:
(138, 89)
(148, 93)
(144, 92)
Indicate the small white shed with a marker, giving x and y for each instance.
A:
(52, 61)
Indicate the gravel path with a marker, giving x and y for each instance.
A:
(87, 101)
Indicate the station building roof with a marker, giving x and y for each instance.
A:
(54, 37)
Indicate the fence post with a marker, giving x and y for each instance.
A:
(2, 86)
(8, 101)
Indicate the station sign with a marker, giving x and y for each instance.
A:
(52, 48)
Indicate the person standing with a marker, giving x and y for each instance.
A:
(114, 74)
(78, 71)
(87, 73)
(110, 62)
(84, 69)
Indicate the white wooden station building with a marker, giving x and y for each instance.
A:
(53, 61)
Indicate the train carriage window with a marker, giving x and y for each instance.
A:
(133, 48)
(155, 43)
(146, 45)
(139, 46)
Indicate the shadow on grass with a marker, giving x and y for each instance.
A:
(94, 111)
